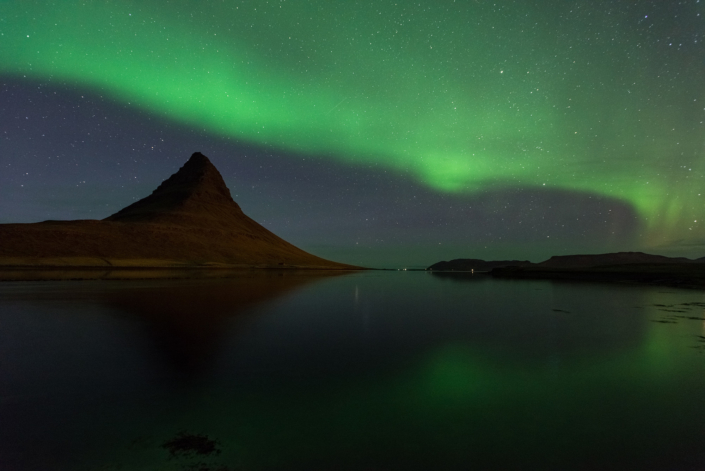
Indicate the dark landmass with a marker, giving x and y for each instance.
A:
(680, 275)
(474, 264)
(189, 221)
(619, 258)
(625, 267)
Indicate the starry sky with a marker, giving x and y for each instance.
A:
(366, 131)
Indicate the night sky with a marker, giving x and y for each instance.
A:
(370, 132)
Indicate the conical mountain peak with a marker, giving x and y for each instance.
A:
(197, 191)
(198, 177)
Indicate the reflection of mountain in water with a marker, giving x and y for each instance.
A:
(187, 319)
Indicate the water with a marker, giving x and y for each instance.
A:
(372, 370)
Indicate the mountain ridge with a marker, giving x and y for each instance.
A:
(606, 259)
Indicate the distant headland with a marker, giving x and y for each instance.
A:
(629, 267)
(189, 221)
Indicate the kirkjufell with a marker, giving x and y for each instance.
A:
(190, 220)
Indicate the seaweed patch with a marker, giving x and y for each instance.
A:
(188, 444)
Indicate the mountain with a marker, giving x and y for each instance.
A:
(190, 220)
(196, 195)
(619, 258)
(470, 264)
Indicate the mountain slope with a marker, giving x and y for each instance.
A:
(195, 195)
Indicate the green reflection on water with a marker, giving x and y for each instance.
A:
(456, 406)
(602, 388)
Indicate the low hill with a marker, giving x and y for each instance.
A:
(607, 259)
(470, 264)
(623, 267)
(190, 220)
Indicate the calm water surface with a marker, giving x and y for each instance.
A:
(374, 370)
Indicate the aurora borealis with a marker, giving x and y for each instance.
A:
(370, 132)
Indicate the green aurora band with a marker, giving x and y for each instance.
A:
(463, 96)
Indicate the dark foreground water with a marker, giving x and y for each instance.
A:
(374, 370)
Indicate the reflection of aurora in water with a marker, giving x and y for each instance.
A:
(601, 98)
(368, 369)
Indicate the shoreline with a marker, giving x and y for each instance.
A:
(126, 273)
(688, 276)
